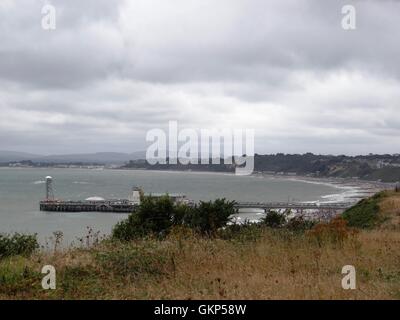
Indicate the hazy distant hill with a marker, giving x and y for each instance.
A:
(8, 156)
(100, 157)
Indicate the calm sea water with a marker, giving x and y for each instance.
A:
(22, 189)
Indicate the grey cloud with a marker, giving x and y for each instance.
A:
(114, 69)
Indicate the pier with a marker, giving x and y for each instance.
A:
(126, 206)
(130, 205)
(295, 205)
(116, 206)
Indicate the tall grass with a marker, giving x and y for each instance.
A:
(257, 263)
(249, 261)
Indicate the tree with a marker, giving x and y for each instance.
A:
(155, 215)
(274, 219)
(208, 217)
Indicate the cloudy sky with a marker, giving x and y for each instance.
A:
(112, 70)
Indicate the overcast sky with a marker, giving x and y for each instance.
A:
(114, 69)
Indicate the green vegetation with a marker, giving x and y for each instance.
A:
(299, 224)
(146, 260)
(208, 217)
(194, 253)
(252, 261)
(365, 214)
(387, 174)
(16, 276)
(17, 244)
(158, 216)
(274, 219)
(153, 216)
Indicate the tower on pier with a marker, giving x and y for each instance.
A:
(49, 188)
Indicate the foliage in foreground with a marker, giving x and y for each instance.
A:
(157, 216)
(275, 219)
(17, 244)
(257, 262)
(246, 261)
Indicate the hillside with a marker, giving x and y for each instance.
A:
(385, 168)
(7, 157)
(250, 262)
(379, 211)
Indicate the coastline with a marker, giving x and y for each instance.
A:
(349, 189)
(352, 189)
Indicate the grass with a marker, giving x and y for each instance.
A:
(17, 244)
(277, 264)
(365, 214)
(253, 262)
(382, 209)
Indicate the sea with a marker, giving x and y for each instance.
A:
(21, 189)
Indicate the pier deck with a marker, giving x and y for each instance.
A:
(117, 206)
(297, 206)
(125, 206)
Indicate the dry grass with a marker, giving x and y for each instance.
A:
(270, 264)
(275, 266)
(390, 209)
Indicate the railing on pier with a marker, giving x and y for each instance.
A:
(286, 205)
(118, 206)
(125, 206)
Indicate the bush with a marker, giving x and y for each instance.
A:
(17, 244)
(159, 215)
(153, 216)
(335, 232)
(299, 224)
(208, 217)
(274, 219)
(242, 232)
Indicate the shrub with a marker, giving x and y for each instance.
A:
(242, 232)
(299, 223)
(208, 217)
(274, 219)
(17, 244)
(335, 232)
(153, 216)
(159, 215)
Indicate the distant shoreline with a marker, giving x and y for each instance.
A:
(329, 180)
(352, 190)
(349, 189)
